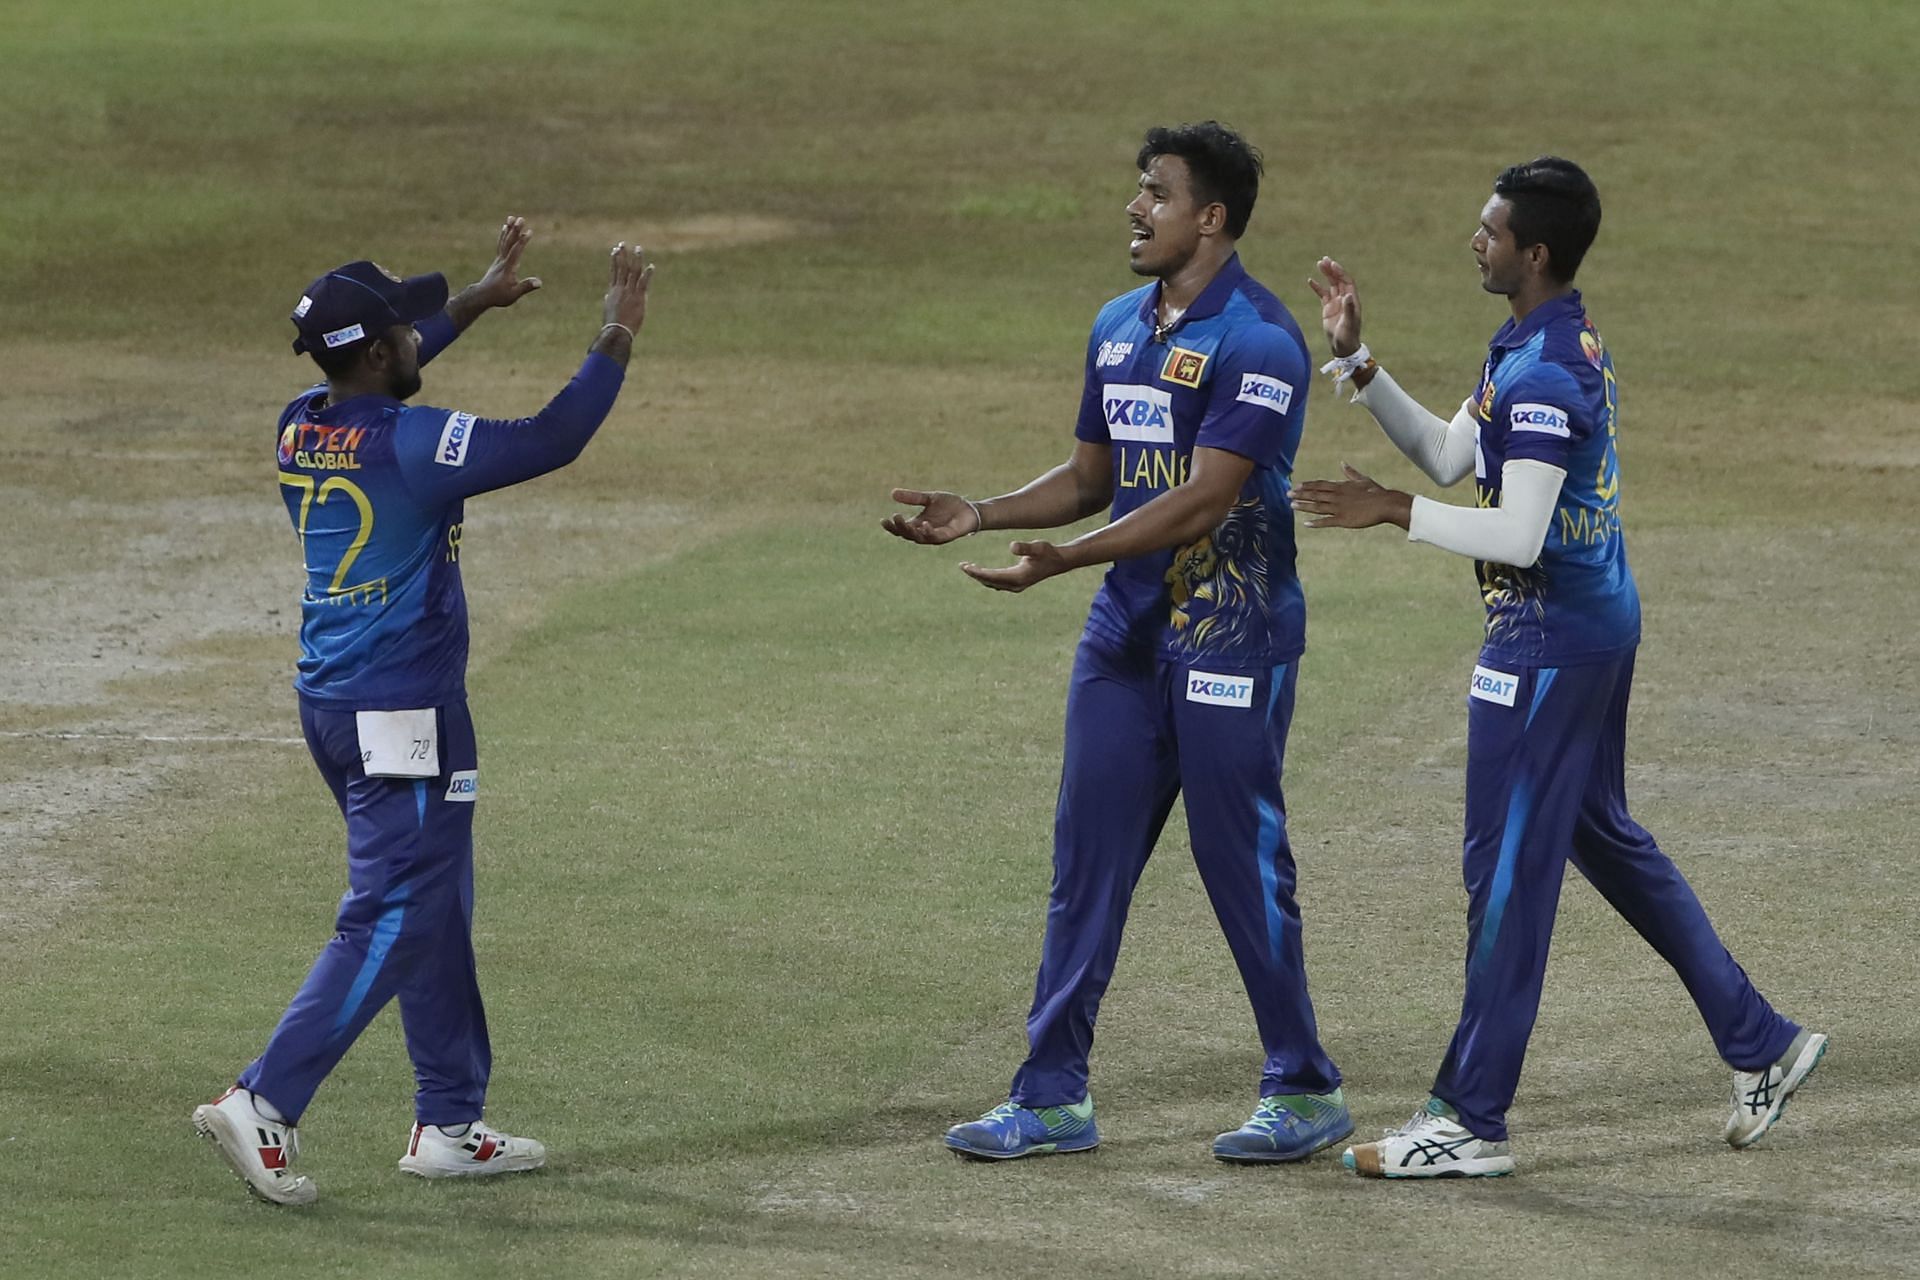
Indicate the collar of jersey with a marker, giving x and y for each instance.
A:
(1211, 299)
(371, 399)
(1513, 335)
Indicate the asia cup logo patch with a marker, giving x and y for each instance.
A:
(1485, 407)
(1184, 367)
(289, 439)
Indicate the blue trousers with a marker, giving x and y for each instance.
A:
(1546, 784)
(1137, 736)
(404, 929)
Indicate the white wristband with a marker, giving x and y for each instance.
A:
(1344, 367)
(979, 521)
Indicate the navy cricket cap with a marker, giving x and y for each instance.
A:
(361, 300)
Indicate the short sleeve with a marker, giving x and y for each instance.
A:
(1545, 415)
(1091, 425)
(1258, 397)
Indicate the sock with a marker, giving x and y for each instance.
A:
(268, 1112)
(454, 1130)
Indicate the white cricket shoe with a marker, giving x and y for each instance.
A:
(431, 1153)
(1759, 1097)
(259, 1150)
(1434, 1144)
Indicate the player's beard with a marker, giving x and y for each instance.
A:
(405, 384)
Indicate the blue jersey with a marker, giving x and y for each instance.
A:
(1548, 393)
(1231, 375)
(375, 490)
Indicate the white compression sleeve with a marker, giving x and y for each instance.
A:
(1511, 533)
(1444, 450)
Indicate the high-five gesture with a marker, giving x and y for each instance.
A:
(629, 276)
(1339, 307)
(502, 285)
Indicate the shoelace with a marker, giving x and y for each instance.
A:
(1270, 1115)
(1421, 1119)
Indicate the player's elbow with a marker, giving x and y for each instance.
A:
(566, 434)
(1095, 492)
(1201, 515)
(1528, 534)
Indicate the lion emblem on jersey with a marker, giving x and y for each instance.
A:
(1512, 595)
(1219, 585)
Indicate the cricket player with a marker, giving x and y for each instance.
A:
(1195, 394)
(374, 488)
(1547, 700)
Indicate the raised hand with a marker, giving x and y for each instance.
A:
(1339, 307)
(1354, 503)
(1036, 562)
(502, 285)
(629, 276)
(943, 517)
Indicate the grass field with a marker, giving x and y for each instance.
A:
(764, 853)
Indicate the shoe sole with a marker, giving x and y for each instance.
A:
(1037, 1149)
(1280, 1157)
(488, 1170)
(1371, 1158)
(1796, 1076)
(212, 1124)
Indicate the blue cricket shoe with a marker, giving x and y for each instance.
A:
(1286, 1126)
(1010, 1131)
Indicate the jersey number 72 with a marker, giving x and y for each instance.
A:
(312, 495)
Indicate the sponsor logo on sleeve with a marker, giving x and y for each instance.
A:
(341, 337)
(1268, 393)
(1544, 418)
(464, 786)
(454, 440)
(1184, 367)
(1141, 414)
(1493, 686)
(1220, 691)
(1112, 353)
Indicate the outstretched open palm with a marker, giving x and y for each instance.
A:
(502, 286)
(1339, 307)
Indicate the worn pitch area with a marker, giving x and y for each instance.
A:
(763, 848)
